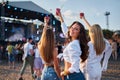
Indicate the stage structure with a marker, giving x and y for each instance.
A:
(25, 10)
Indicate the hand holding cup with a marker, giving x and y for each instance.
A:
(57, 11)
(81, 15)
(46, 19)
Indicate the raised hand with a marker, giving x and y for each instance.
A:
(82, 16)
(58, 13)
(46, 19)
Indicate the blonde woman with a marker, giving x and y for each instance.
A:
(48, 52)
(99, 47)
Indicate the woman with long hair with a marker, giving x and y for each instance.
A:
(48, 52)
(76, 50)
(99, 52)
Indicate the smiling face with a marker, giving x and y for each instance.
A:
(77, 32)
(74, 31)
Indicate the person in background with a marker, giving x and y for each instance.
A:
(11, 55)
(1, 53)
(19, 52)
(99, 48)
(114, 48)
(48, 52)
(75, 51)
(38, 64)
(28, 57)
(116, 36)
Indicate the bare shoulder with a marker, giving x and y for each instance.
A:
(55, 51)
(56, 48)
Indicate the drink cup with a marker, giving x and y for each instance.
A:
(57, 11)
(81, 15)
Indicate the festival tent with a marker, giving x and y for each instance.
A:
(24, 10)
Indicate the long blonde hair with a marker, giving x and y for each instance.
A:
(46, 45)
(97, 39)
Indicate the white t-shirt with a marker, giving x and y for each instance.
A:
(37, 54)
(27, 47)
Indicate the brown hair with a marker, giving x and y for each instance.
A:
(46, 45)
(82, 40)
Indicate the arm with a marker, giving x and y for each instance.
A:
(61, 18)
(7, 48)
(31, 49)
(107, 55)
(63, 25)
(75, 53)
(46, 22)
(86, 22)
(56, 63)
(73, 64)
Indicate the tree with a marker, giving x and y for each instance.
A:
(107, 33)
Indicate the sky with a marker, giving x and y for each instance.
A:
(94, 11)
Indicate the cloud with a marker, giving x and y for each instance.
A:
(96, 11)
(62, 0)
(70, 15)
(98, 14)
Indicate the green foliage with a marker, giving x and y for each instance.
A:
(107, 33)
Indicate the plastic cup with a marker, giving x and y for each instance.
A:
(57, 11)
(81, 15)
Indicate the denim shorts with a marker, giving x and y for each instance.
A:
(11, 58)
(49, 73)
(75, 76)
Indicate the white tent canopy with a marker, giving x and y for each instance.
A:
(29, 5)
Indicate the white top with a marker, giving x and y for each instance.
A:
(72, 53)
(64, 29)
(27, 47)
(37, 54)
(95, 59)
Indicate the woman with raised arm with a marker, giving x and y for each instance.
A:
(75, 51)
(99, 48)
(48, 52)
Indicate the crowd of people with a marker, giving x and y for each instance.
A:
(83, 58)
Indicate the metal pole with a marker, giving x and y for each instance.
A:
(107, 22)
(107, 19)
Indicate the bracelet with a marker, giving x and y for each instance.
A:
(65, 73)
